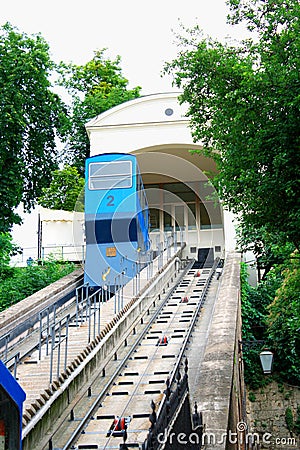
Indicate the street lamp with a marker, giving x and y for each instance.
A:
(266, 359)
(266, 356)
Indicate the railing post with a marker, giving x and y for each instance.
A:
(99, 315)
(17, 359)
(6, 338)
(52, 351)
(88, 317)
(67, 341)
(122, 290)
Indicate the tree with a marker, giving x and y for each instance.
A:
(268, 248)
(94, 87)
(254, 308)
(65, 191)
(30, 116)
(7, 250)
(284, 323)
(244, 106)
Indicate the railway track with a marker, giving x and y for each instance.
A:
(135, 375)
(53, 374)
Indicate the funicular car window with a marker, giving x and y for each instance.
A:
(110, 175)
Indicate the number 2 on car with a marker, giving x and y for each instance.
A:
(110, 200)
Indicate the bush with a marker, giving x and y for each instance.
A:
(255, 302)
(284, 323)
(25, 281)
(289, 419)
(7, 250)
(271, 312)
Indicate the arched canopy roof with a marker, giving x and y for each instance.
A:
(151, 124)
(155, 108)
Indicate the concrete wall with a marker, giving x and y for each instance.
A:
(221, 389)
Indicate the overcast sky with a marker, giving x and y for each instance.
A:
(142, 33)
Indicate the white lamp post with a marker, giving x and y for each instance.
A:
(266, 359)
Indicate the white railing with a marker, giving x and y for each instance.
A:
(66, 252)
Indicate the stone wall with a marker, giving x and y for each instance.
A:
(266, 414)
(220, 389)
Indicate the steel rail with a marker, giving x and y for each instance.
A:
(188, 335)
(150, 361)
(180, 355)
(83, 423)
(193, 321)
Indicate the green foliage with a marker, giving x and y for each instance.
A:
(95, 87)
(271, 312)
(253, 328)
(255, 302)
(293, 425)
(66, 191)
(269, 249)
(25, 281)
(7, 250)
(289, 419)
(252, 397)
(30, 117)
(284, 323)
(244, 105)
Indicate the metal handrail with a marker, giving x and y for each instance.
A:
(97, 401)
(16, 358)
(62, 324)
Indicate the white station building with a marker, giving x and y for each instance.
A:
(180, 196)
